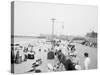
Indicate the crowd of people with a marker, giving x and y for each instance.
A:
(64, 54)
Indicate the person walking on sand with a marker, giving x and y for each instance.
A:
(87, 61)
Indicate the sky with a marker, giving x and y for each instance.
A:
(32, 19)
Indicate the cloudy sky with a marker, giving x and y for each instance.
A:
(35, 18)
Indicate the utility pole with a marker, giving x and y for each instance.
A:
(62, 28)
(53, 19)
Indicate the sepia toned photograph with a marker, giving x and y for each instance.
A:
(50, 37)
